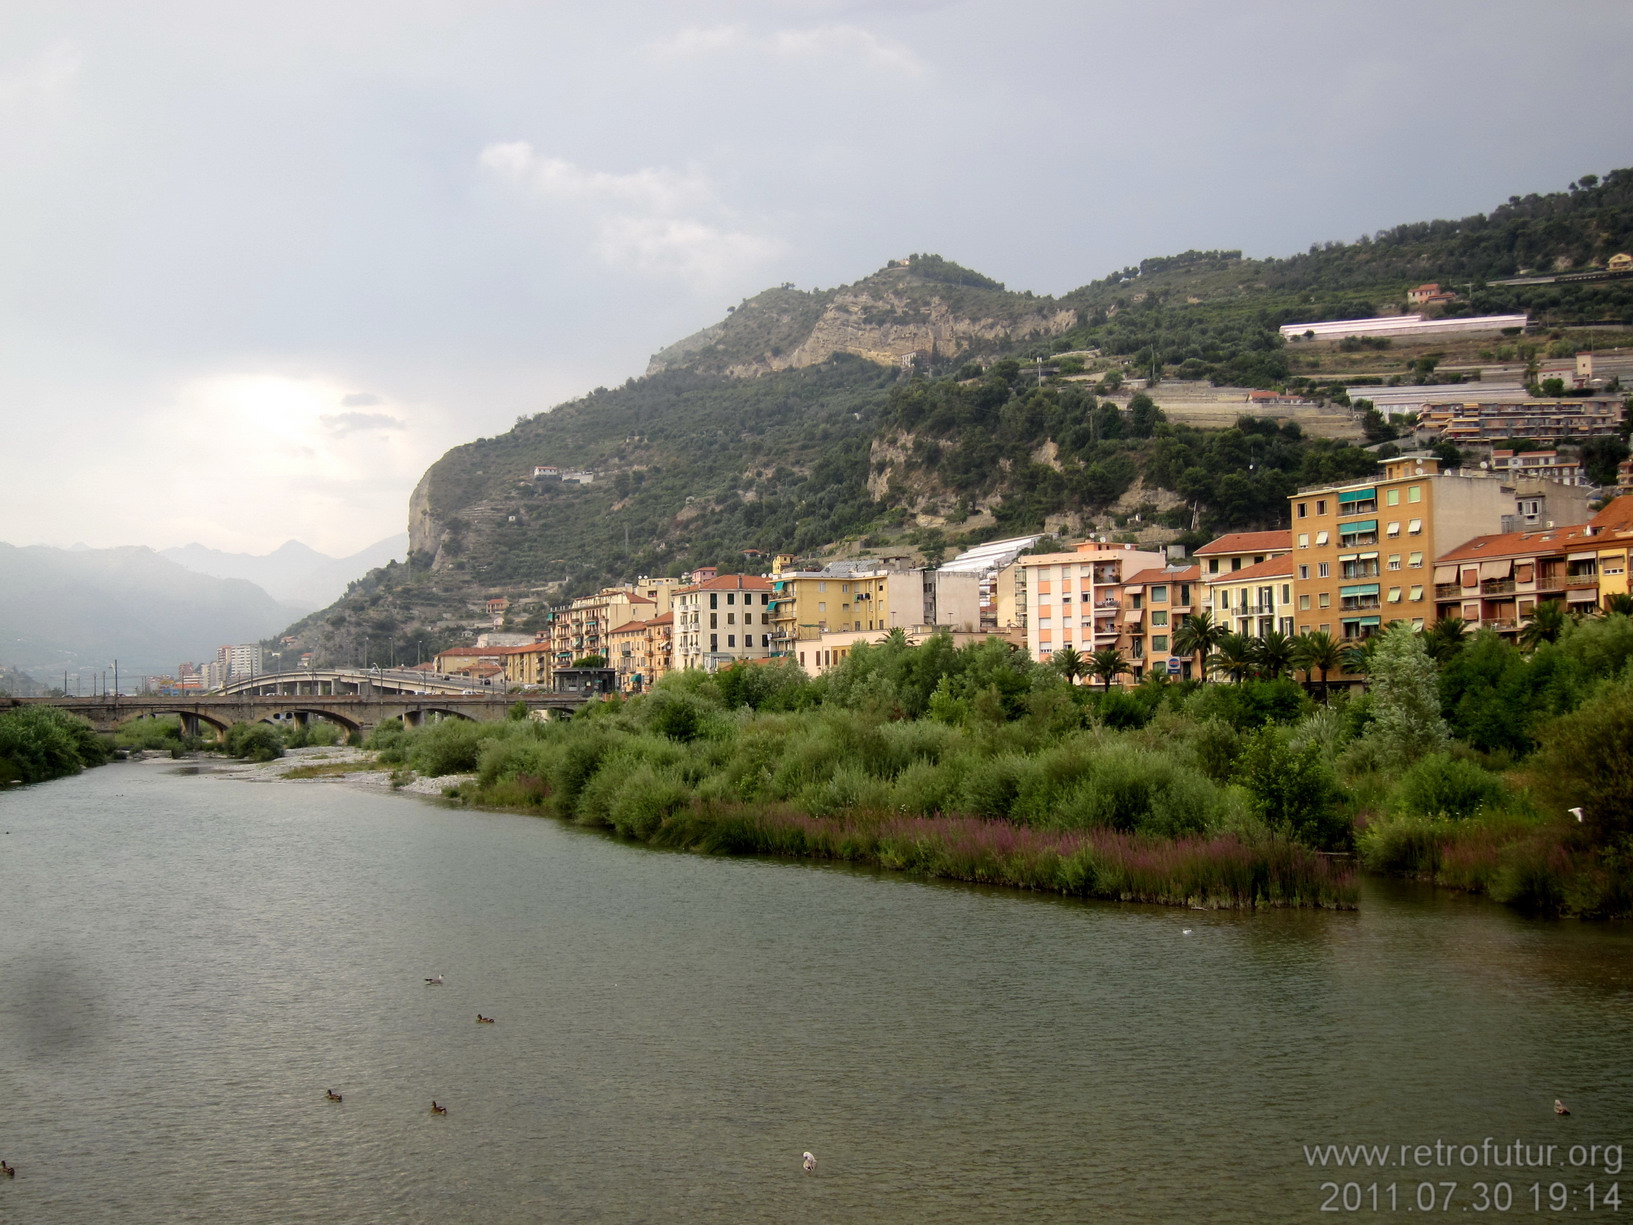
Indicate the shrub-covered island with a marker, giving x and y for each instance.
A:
(977, 764)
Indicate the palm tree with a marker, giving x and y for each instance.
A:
(1356, 657)
(1198, 635)
(1108, 664)
(1620, 602)
(1317, 652)
(1545, 624)
(896, 639)
(1069, 663)
(1444, 638)
(1234, 655)
(1273, 652)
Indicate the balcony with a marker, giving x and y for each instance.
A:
(1357, 603)
(1447, 591)
(1581, 580)
(1497, 586)
(1550, 582)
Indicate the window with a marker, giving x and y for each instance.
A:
(1321, 539)
(1224, 598)
(1415, 560)
(714, 621)
(822, 586)
(822, 606)
(1414, 493)
(1159, 595)
(714, 599)
(1287, 593)
(1392, 497)
(1321, 506)
(1213, 565)
(1322, 570)
(1394, 595)
(1415, 527)
(1417, 594)
(1159, 642)
(1394, 529)
(731, 597)
(1303, 509)
(844, 589)
(714, 642)
(731, 640)
(1304, 603)
(1304, 540)
(1325, 601)
(1159, 617)
(731, 618)
(1394, 561)
(1184, 593)
(1304, 572)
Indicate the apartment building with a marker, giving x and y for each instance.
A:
(580, 627)
(1154, 604)
(1073, 599)
(660, 646)
(722, 620)
(1255, 599)
(526, 665)
(1497, 581)
(1544, 420)
(863, 597)
(1363, 550)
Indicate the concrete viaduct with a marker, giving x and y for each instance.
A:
(357, 701)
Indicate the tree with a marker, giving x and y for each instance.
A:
(1198, 635)
(1069, 663)
(1405, 692)
(1107, 664)
(1586, 761)
(1317, 652)
(1273, 653)
(1294, 790)
(1444, 638)
(1234, 656)
(1619, 602)
(1545, 624)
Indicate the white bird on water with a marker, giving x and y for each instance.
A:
(1185, 932)
(809, 1163)
(434, 982)
(1576, 812)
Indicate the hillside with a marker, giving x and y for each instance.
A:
(928, 406)
(73, 609)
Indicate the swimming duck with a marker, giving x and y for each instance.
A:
(434, 982)
(482, 1020)
(436, 1109)
(332, 1095)
(10, 1171)
(809, 1163)
(1560, 1107)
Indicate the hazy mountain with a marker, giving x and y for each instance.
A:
(84, 608)
(292, 573)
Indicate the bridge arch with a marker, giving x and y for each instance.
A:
(422, 715)
(303, 714)
(190, 719)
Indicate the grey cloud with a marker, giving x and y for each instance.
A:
(360, 399)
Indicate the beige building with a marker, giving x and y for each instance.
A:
(862, 597)
(828, 650)
(722, 620)
(1236, 550)
(1255, 599)
(1074, 599)
(580, 627)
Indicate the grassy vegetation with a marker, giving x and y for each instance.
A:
(41, 742)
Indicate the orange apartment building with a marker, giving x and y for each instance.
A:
(1363, 550)
(1154, 603)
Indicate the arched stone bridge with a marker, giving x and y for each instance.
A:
(273, 697)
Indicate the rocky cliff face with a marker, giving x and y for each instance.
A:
(425, 533)
(884, 318)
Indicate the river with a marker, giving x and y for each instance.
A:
(187, 962)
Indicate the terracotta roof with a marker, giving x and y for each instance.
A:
(1189, 574)
(668, 618)
(469, 652)
(1573, 539)
(1249, 542)
(730, 582)
(1618, 513)
(1270, 567)
(628, 627)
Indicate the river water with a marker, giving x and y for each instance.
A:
(187, 962)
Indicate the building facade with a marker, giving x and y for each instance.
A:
(1073, 599)
(722, 620)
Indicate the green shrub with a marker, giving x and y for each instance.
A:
(1441, 785)
(254, 742)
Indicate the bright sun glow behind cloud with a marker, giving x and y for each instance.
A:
(290, 443)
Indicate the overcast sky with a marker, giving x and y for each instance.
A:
(261, 263)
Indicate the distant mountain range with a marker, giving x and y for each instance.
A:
(293, 573)
(78, 610)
